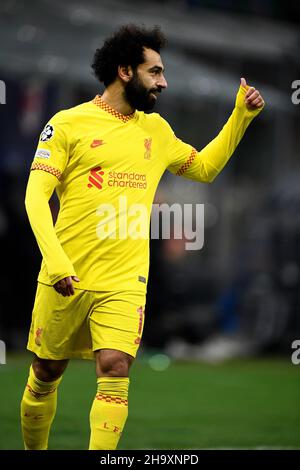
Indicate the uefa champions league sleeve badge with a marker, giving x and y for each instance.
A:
(47, 133)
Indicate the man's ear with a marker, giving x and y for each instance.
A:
(125, 72)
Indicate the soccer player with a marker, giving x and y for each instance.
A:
(105, 158)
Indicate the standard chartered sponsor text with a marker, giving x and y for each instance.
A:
(127, 180)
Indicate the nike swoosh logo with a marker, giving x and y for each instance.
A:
(96, 143)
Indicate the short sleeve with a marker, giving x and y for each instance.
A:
(52, 152)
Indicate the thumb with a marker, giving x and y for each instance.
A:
(75, 278)
(243, 82)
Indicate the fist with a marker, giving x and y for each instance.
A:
(253, 99)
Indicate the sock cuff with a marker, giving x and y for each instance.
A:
(113, 387)
(40, 386)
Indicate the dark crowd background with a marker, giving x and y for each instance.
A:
(240, 294)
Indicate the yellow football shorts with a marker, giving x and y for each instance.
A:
(75, 326)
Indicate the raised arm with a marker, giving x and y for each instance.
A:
(206, 165)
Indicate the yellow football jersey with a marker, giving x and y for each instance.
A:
(106, 167)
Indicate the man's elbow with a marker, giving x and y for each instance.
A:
(208, 172)
(211, 179)
(209, 176)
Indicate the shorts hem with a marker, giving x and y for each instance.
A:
(116, 347)
(73, 355)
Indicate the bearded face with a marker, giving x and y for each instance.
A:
(138, 95)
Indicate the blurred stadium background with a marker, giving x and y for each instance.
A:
(220, 321)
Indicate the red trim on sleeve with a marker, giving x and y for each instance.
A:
(47, 168)
(187, 164)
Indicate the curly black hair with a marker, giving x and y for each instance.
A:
(125, 47)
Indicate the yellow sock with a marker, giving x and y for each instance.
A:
(38, 408)
(109, 412)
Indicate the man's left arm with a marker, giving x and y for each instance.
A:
(205, 165)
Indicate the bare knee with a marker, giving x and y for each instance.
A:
(48, 369)
(112, 363)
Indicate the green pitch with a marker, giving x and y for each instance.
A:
(239, 404)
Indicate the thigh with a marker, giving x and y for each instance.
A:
(56, 322)
(117, 321)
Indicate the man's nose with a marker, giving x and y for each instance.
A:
(162, 82)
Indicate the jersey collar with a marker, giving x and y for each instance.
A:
(98, 101)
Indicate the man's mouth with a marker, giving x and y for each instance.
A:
(154, 93)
